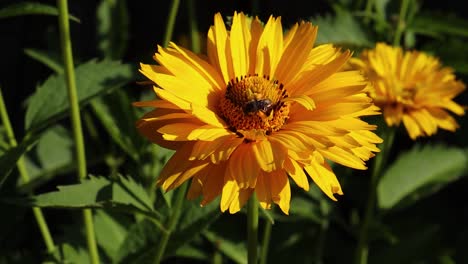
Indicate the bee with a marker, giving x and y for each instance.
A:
(260, 107)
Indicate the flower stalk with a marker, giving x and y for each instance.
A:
(40, 219)
(265, 242)
(380, 159)
(65, 43)
(252, 229)
(172, 222)
(171, 22)
(401, 22)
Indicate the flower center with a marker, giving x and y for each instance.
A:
(253, 106)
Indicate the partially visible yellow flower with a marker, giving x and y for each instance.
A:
(262, 108)
(412, 87)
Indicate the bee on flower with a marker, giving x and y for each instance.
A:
(263, 108)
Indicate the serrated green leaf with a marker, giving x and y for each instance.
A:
(193, 220)
(341, 28)
(50, 60)
(120, 194)
(11, 156)
(112, 30)
(116, 114)
(110, 233)
(31, 8)
(420, 172)
(55, 148)
(136, 246)
(235, 251)
(74, 254)
(50, 101)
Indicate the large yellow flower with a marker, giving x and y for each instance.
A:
(262, 106)
(412, 86)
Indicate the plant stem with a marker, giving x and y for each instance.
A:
(175, 214)
(40, 219)
(252, 228)
(368, 11)
(194, 36)
(265, 242)
(363, 248)
(171, 22)
(401, 22)
(67, 56)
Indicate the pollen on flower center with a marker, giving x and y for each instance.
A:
(254, 103)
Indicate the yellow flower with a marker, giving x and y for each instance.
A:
(260, 108)
(412, 86)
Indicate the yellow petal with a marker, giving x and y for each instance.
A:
(229, 193)
(243, 167)
(297, 173)
(325, 179)
(240, 42)
(269, 155)
(270, 47)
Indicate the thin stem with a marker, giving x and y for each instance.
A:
(194, 36)
(252, 228)
(379, 161)
(40, 219)
(67, 56)
(401, 22)
(171, 22)
(174, 218)
(368, 11)
(265, 242)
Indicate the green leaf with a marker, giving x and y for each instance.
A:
(420, 172)
(138, 246)
(55, 148)
(439, 24)
(74, 253)
(112, 18)
(305, 209)
(191, 252)
(50, 101)
(31, 8)
(50, 60)
(342, 29)
(117, 115)
(235, 251)
(193, 220)
(120, 194)
(110, 233)
(11, 156)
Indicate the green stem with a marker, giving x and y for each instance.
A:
(265, 242)
(194, 37)
(363, 248)
(171, 22)
(174, 218)
(67, 56)
(40, 219)
(401, 22)
(252, 228)
(368, 11)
